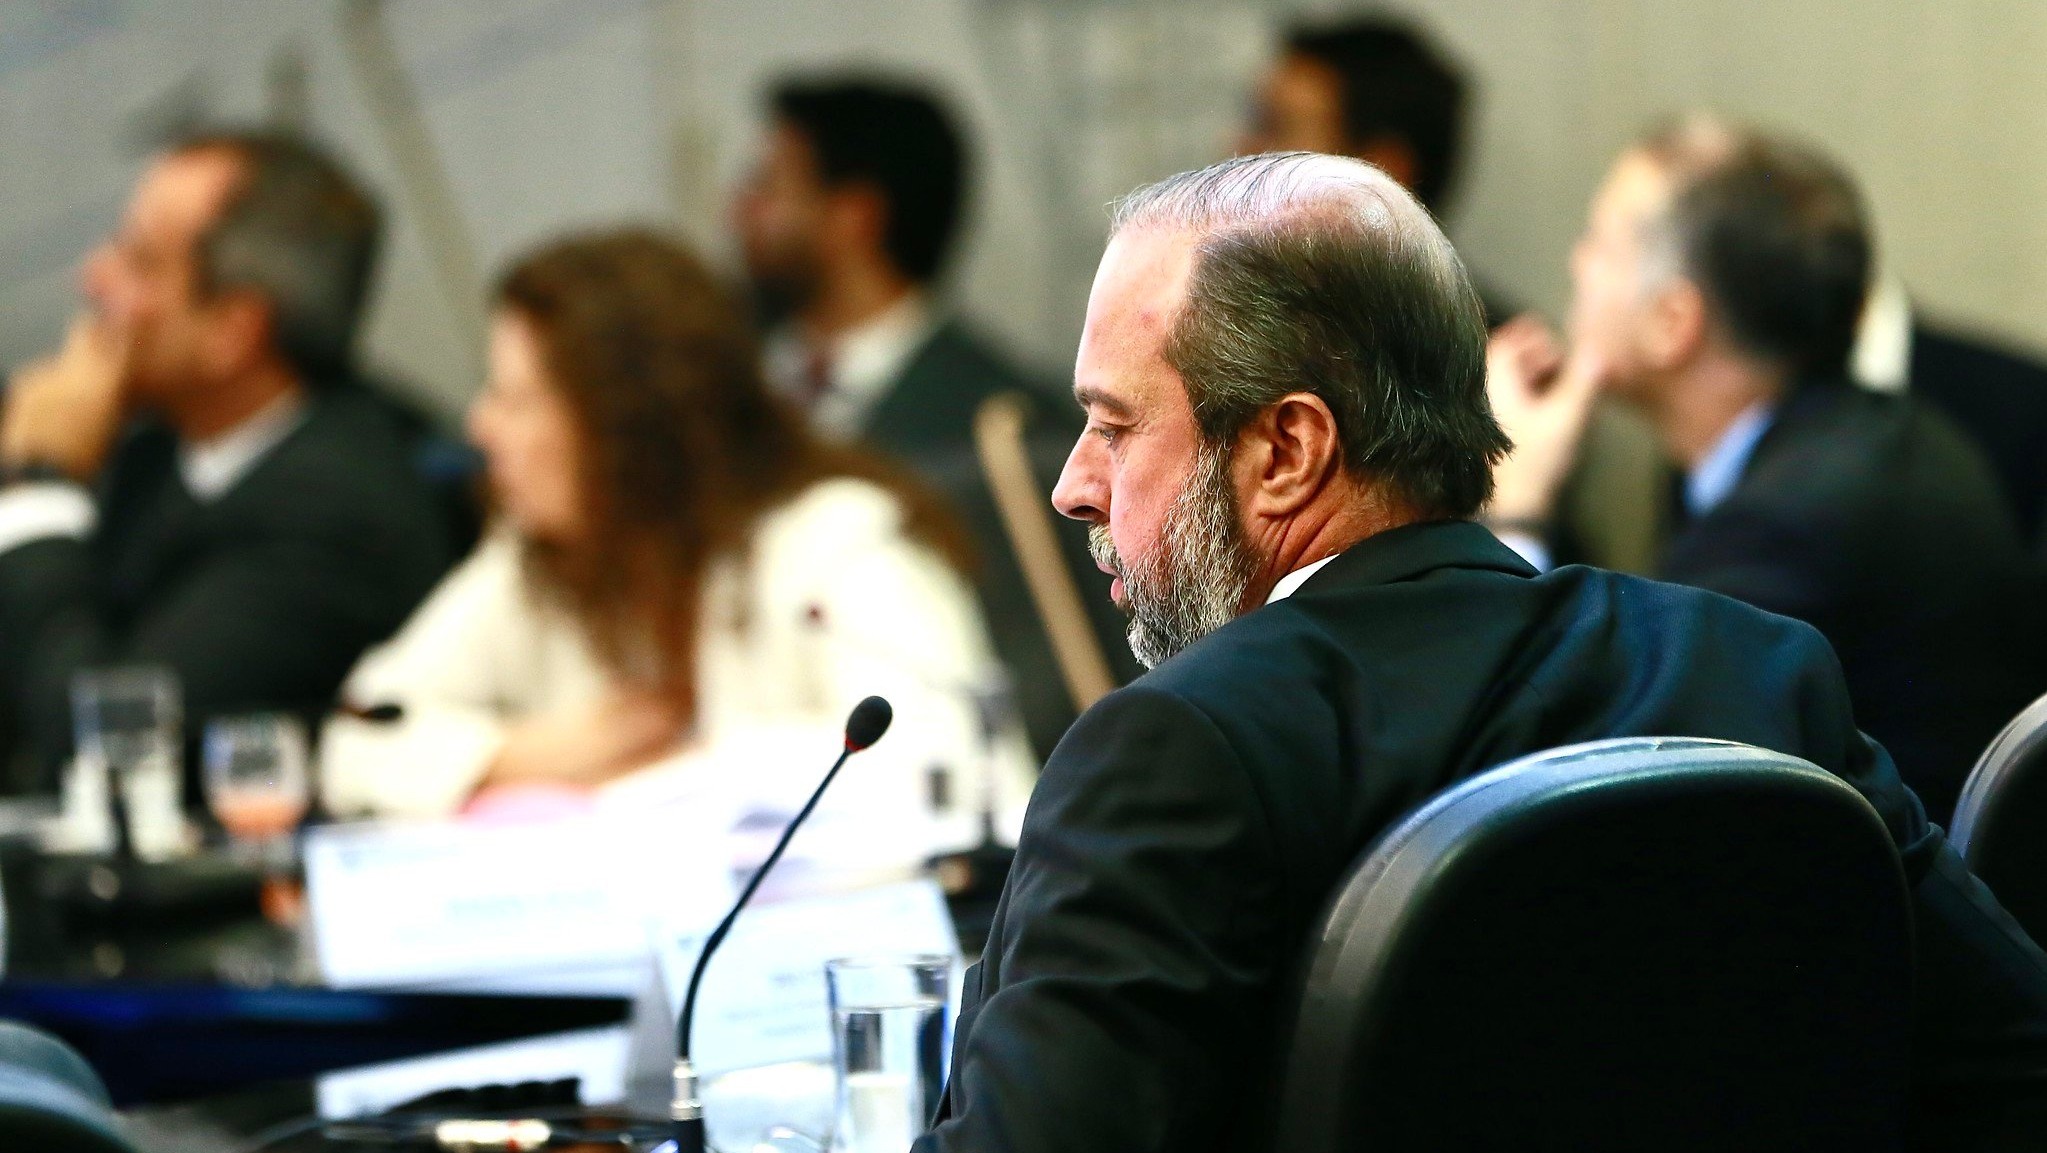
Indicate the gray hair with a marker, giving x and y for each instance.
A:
(1774, 234)
(1320, 274)
(302, 233)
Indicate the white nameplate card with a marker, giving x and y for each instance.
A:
(597, 1057)
(763, 998)
(423, 903)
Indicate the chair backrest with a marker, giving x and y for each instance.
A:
(1655, 943)
(50, 1099)
(1004, 449)
(2000, 824)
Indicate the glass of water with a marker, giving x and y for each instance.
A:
(888, 1048)
(128, 725)
(255, 772)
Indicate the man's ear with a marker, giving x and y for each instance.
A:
(856, 217)
(1287, 455)
(1678, 323)
(244, 330)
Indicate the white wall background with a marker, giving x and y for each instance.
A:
(544, 114)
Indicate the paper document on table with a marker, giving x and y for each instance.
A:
(763, 997)
(414, 903)
(596, 1057)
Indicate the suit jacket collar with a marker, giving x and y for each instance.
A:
(1803, 402)
(1412, 550)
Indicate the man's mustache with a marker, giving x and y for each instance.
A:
(1103, 550)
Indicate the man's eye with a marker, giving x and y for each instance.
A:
(1107, 434)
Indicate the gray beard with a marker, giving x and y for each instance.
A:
(1194, 582)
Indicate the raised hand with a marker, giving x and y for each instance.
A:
(65, 410)
(1543, 397)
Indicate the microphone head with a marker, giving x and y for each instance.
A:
(869, 719)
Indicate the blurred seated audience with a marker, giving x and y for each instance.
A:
(687, 590)
(845, 225)
(1717, 289)
(1377, 89)
(191, 482)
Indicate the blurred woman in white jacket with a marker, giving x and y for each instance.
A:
(685, 594)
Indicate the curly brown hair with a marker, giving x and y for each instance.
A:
(682, 447)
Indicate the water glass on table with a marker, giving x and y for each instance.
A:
(257, 787)
(128, 726)
(888, 1048)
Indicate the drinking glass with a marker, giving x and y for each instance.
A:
(128, 725)
(888, 1041)
(255, 772)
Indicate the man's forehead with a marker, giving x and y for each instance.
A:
(1138, 291)
(183, 191)
(1142, 282)
(1636, 186)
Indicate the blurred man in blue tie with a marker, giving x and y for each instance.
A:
(1717, 290)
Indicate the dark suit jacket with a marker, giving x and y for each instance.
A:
(1874, 520)
(1190, 828)
(261, 599)
(926, 420)
(2000, 399)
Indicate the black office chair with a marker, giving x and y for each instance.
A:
(1641, 944)
(2000, 824)
(50, 1099)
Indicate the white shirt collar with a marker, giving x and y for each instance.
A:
(1292, 582)
(210, 468)
(1714, 477)
(863, 362)
(1882, 357)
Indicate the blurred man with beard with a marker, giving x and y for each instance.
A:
(1288, 438)
(1381, 90)
(846, 225)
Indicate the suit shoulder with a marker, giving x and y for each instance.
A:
(1273, 658)
(1833, 459)
(1945, 359)
(970, 362)
(342, 434)
(349, 463)
(1147, 729)
(1654, 603)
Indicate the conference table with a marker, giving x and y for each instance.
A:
(82, 923)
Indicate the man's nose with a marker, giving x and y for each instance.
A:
(1080, 493)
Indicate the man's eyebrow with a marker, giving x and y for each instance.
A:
(1088, 396)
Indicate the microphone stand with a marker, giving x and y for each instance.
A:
(870, 719)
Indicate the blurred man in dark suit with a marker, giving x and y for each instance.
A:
(1996, 394)
(1288, 434)
(845, 225)
(1717, 289)
(189, 482)
(1374, 88)
(1999, 397)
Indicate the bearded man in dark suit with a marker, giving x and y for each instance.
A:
(1288, 438)
(846, 225)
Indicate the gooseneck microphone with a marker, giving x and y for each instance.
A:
(864, 726)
